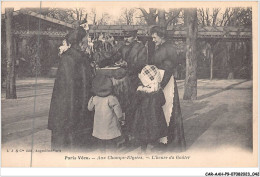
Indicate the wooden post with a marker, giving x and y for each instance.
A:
(24, 43)
(231, 50)
(190, 87)
(10, 80)
(211, 65)
(211, 60)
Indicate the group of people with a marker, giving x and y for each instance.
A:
(84, 106)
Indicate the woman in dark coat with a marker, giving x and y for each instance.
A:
(165, 58)
(68, 115)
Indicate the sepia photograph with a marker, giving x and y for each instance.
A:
(129, 84)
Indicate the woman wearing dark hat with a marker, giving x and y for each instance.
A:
(68, 115)
(165, 58)
(108, 112)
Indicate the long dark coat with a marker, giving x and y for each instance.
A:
(165, 57)
(68, 115)
(149, 123)
(135, 54)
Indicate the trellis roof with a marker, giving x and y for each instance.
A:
(27, 23)
(177, 32)
(42, 17)
(238, 32)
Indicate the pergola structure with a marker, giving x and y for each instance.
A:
(179, 32)
(27, 24)
(211, 34)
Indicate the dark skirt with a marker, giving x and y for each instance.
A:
(149, 123)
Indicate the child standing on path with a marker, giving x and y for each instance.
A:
(149, 123)
(108, 112)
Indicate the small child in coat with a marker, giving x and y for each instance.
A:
(108, 112)
(149, 124)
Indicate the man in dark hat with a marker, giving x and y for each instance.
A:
(135, 54)
(130, 36)
(68, 115)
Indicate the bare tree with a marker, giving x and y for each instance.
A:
(128, 16)
(77, 14)
(163, 18)
(61, 14)
(190, 88)
(93, 16)
(201, 17)
(96, 20)
(140, 21)
(68, 15)
(174, 16)
(150, 17)
(205, 18)
(224, 17)
(209, 18)
(104, 19)
(215, 15)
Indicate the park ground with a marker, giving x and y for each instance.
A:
(220, 117)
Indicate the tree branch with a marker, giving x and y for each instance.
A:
(149, 17)
(229, 18)
(144, 12)
(172, 17)
(140, 17)
(214, 16)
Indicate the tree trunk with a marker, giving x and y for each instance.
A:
(161, 18)
(190, 89)
(150, 17)
(10, 80)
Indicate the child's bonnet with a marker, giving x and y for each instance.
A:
(150, 78)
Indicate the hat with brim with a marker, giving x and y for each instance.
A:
(162, 32)
(102, 85)
(130, 33)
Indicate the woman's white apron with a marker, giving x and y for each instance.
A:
(167, 107)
